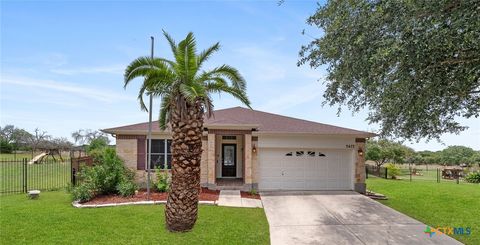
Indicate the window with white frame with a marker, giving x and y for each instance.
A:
(161, 153)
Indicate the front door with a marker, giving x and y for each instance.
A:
(229, 160)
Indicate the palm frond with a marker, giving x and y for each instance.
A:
(227, 72)
(171, 41)
(205, 54)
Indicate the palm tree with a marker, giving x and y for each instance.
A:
(185, 91)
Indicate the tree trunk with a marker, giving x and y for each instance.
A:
(182, 203)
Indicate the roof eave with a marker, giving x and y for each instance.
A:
(278, 133)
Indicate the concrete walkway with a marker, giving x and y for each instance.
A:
(341, 217)
(230, 198)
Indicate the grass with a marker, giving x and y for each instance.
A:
(52, 220)
(435, 204)
(49, 175)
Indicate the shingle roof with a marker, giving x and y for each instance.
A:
(265, 123)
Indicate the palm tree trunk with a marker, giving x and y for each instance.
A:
(182, 203)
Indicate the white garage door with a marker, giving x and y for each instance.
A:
(304, 169)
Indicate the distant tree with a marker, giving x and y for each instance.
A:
(414, 65)
(475, 158)
(6, 133)
(36, 139)
(379, 151)
(456, 155)
(402, 154)
(85, 136)
(5, 147)
(14, 137)
(62, 144)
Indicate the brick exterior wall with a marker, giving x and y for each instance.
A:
(247, 175)
(127, 151)
(360, 185)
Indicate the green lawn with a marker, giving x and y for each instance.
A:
(49, 175)
(52, 220)
(435, 204)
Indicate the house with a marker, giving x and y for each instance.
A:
(245, 149)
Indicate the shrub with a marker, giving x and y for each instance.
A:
(83, 192)
(253, 192)
(473, 177)
(163, 181)
(97, 144)
(109, 176)
(392, 171)
(126, 188)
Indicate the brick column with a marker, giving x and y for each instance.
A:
(255, 164)
(360, 185)
(204, 162)
(248, 160)
(211, 159)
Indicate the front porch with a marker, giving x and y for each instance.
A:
(227, 159)
(229, 183)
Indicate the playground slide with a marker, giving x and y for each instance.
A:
(37, 158)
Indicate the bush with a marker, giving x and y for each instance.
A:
(97, 144)
(392, 171)
(163, 181)
(473, 177)
(109, 176)
(126, 188)
(83, 192)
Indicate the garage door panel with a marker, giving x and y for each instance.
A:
(319, 169)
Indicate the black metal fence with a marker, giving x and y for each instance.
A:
(412, 173)
(22, 175)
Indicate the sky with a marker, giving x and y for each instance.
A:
(62, 62)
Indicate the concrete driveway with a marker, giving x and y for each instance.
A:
(340, 217)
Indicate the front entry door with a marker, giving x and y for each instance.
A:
(229, 160)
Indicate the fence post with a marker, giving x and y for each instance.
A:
(438, 175)
(25, 175)
(366, 172)
(410, 169)
(72, 170)
(386, 173)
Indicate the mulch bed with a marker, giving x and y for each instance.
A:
(205, 195)
(244, 194)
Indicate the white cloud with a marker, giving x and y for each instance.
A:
(99, 94)
(293, 98)
(266, 65)
(112, 69)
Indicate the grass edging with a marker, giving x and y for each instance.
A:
(76, 204)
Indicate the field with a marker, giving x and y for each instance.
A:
(435, 204)
(52, 220)
(15, 175)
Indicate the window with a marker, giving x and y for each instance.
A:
(299, 153)
(321, 154)
(289, 154)
(311, 153)
(161, 153)
(228, 137)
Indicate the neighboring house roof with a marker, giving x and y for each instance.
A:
(264, 122)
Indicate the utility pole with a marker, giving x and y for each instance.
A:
(149, 151)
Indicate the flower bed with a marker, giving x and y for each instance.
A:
(244, 194)
(205, 195)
